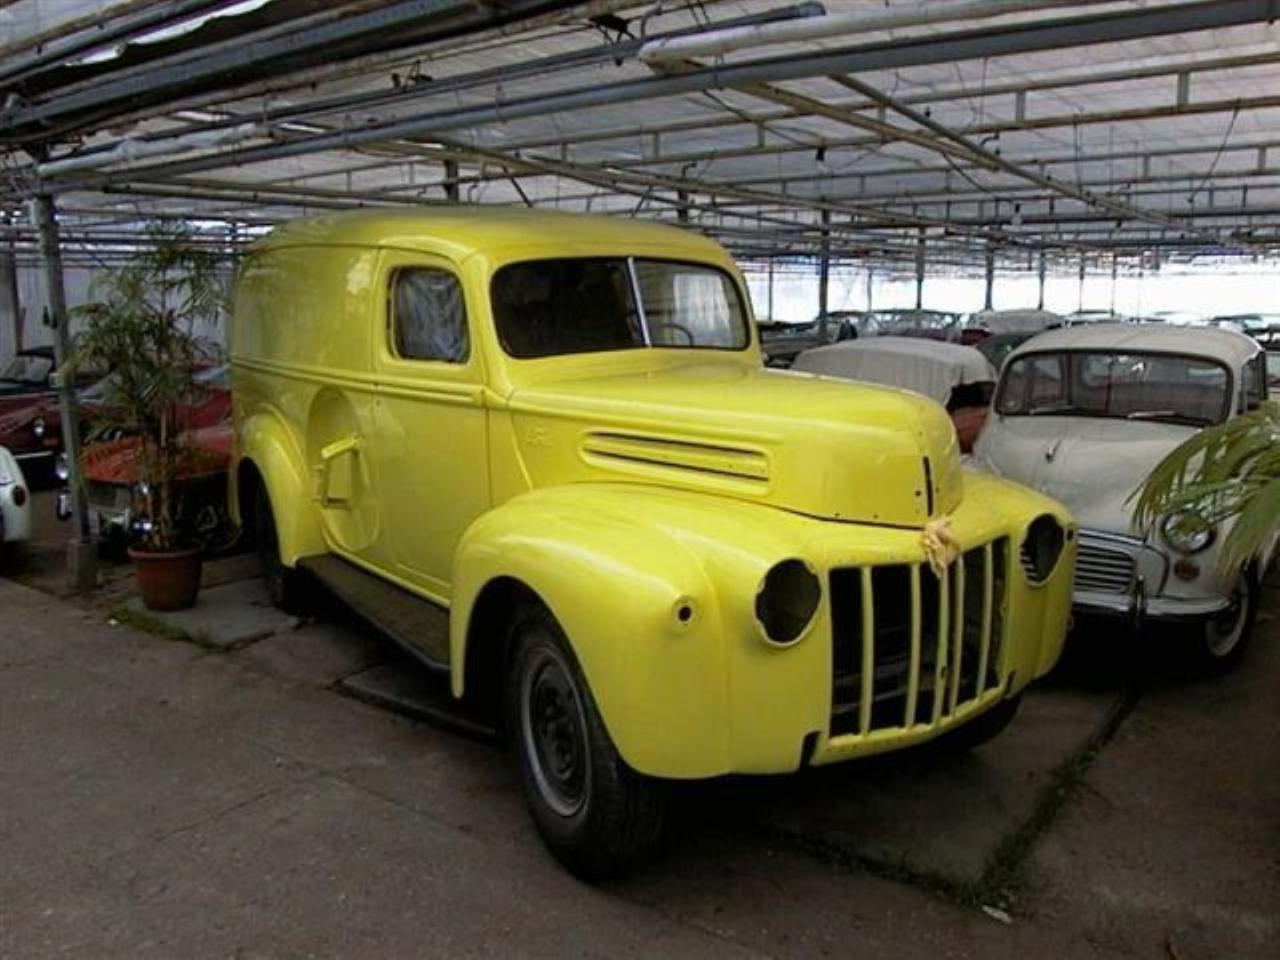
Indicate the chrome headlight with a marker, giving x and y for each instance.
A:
(1187, 532)
(61, 468)
(787, 600)
(38, 427)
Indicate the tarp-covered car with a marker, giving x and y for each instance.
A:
(956, 376)
(1084, 414)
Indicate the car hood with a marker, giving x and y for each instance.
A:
(1092, 465)
(206, 452)
(821, 447)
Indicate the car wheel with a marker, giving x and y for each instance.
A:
(596, 814)
(1222, 638)
(985, 727)
(285, 587)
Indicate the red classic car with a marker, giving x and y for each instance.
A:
(116, 500)
(29, 423)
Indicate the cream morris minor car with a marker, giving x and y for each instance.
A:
(542, 452)
(1084, 414)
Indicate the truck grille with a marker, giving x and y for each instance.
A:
(1104, 569)
(908, 648)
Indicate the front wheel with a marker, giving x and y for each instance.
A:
(1220, 641)
(596, 814)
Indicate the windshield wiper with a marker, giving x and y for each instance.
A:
(1173, 416)
(1049, 408)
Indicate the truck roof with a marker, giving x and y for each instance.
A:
(469, 229)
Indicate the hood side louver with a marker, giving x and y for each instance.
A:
(640, 453)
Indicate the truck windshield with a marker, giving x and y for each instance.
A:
(545, 308)
(1126, 386)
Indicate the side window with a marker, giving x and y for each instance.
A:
(428, 316)
(1255, 382)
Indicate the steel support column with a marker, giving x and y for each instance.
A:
(10, 303)
(920, 272)
(82, 571)
(991, 277)
(451, 181)
(1040, 277)
(769, 316)
(824, 274)
(1080, 297)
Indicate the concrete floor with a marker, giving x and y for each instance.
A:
(158, 797)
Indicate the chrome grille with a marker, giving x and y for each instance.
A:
(909, 648)
(1104, 569)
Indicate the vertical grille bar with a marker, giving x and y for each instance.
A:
(956, 577)
(868, 651)
(944, 629)
(999, 596)
(987, 587)
(913, 678)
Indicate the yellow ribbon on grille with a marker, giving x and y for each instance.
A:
(940, 545)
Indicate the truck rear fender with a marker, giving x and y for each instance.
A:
(264, 442)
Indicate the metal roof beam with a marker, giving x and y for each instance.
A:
(997, 41)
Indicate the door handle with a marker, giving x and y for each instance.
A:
(349, 444)
(336, 472)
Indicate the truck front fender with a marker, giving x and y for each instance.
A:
(266, 442)
(637, 606)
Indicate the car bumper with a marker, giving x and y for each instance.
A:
(1122, 577)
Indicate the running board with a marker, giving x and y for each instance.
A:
(416, 624)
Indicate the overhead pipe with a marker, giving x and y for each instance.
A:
(128, 152)
(1022, 38)
(732, 39)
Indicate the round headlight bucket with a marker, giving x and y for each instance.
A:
(788, 599)
(61, 468)
(1041, 548)
(38, 427)
(1186, 532)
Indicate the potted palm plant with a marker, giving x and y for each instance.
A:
(141, 326)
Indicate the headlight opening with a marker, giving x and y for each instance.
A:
(787, 601)
(1041, 548)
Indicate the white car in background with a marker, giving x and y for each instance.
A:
(1084, 414)
(15, 500)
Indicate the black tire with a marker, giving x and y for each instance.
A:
(596, 815)
(1219, 642)
(985, 727)
(285, 587)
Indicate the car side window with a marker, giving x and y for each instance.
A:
(1255, 382)
(428, 316)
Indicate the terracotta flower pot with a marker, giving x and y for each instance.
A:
(167, 580)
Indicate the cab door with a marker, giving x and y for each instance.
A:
(428, 446)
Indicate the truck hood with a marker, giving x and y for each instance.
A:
(1091, 465)
(822, 447)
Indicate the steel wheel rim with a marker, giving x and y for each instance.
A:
(554, 728)
(1221, 642)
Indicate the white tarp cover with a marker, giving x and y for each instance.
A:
(930, 367)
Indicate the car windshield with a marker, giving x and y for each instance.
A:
(547, 308)
(28, 368)
(1128, 386)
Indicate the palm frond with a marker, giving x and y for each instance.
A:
(1228, 471)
